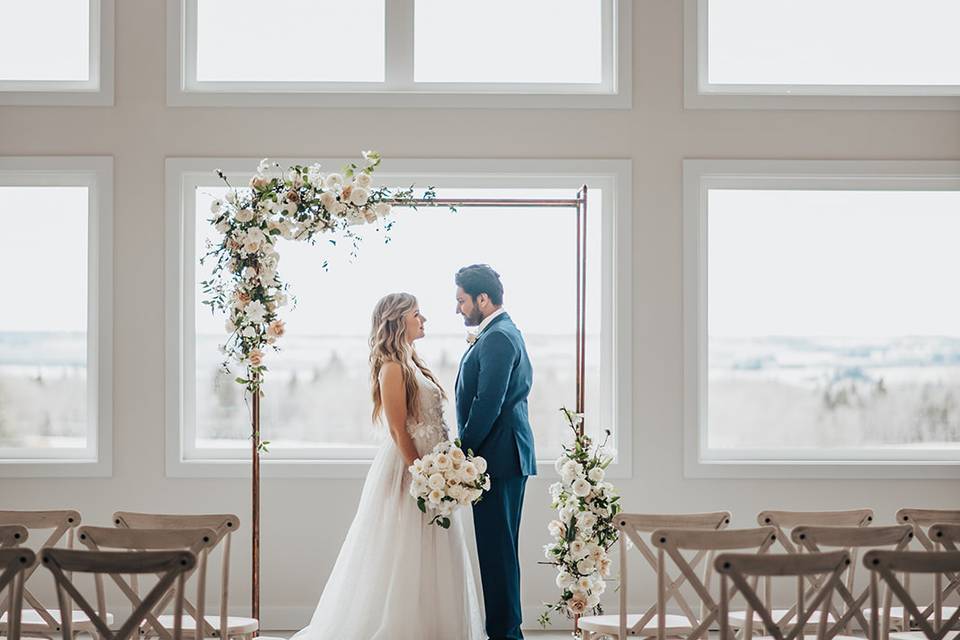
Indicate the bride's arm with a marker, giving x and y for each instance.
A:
(395, 408)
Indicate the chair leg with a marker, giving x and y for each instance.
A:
(585, 635)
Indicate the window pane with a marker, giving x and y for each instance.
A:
(824, 42)
(43, 345)
(833, 319)
(318, 393)
(502, 41)
(45, 40)
(290, 40)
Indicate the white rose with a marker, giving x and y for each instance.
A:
(255, 311)
(245, 215)
(586, 520)
(363, 180)
(599, 586)
(457, 455)
(446, 508)
(417, 466)
(566, 513)
(369, 215)
(443, 461)
(596, 474)
(581, 487)
(382, 209)
(333, 181)
(359, 196)
(586, 565)
(223, 226)
(486, 483)
(565, 580)
(560, 464)
(437, 481)
(576, 548)
(469, 471)
(249, 331)
(328, 199)
(455, 491)
(231, 196)
(556, 529)
(480, 464)
(249, 273)
(435, 497)
(584, 584)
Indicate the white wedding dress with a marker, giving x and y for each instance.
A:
(398, 578)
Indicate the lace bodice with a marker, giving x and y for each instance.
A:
(430, 428)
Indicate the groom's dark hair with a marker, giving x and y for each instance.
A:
(480, 278)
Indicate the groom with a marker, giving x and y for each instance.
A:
(492, 388)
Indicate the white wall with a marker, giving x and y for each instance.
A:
(305, 520)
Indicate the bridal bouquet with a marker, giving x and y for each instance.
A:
(583, 531)
(447, 478)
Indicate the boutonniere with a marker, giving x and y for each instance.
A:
(471, 338)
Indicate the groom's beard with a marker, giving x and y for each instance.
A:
(474, 319)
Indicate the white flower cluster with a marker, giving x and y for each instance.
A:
(583, 531)
(297, 204)
(447, 478)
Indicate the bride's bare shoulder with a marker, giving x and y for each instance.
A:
(390, 372)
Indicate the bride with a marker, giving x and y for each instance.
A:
(398, 578)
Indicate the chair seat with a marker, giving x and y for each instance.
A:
(235, 624)
(611, 624)
(896, 613)
(916, 635)
(738, 618)
(31, 621)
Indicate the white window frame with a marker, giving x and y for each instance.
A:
(699, 176)
(95, 173)
(184, 175)
(399, 88)
(700, 94)
(96, 91)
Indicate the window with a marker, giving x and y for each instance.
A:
(786, 53)
(60, 52)
(548, 53)
(317, 403)
(820, 323)
(56, 339)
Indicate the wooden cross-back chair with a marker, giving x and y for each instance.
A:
(13, 565)
(632, 526)
(13, 535)
(885, 565)
(921, 520)
(784, 522)
(743, 571)
(218, 626)
(673, 543)
(198, 541)
(171, 565)
(854, 540)
(36, 618)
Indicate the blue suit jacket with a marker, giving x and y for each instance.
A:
(492, 388)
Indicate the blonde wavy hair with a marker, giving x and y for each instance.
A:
(388, 343)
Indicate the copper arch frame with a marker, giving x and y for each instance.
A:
(580, 204)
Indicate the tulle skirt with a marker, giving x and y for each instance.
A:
(397, 578)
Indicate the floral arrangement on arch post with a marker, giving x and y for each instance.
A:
(583, 531)
(302, 204)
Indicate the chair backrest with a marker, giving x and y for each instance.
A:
(13, 535)
(922, 519)
(13, 564)
(632, 526)
(742, 571)
(198, 541)
(853, 539)
(171, 565)
(885, 565)
(673, 543)
(223, 524)
(784, 521)
(63, 523)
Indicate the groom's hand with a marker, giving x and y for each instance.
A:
(497, 356)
